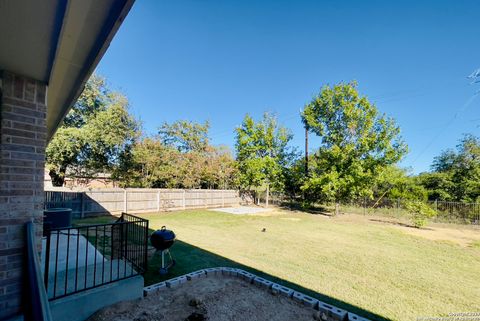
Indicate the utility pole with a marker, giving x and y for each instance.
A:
(306, 151)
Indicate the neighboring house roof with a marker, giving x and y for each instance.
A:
(59, 42)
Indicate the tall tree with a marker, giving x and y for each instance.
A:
(93, 135)
(185, 135)
(151, 163)
(357, 144)
(262, 152)
(456, 173)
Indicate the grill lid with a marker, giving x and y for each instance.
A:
(162, 239)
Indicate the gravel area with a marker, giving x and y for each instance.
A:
(214, 299)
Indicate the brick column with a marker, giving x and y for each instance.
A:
(22, 159)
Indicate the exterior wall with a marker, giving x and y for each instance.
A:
(22, 158)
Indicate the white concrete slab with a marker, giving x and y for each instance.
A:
(68, 246)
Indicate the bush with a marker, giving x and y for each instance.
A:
(420, 212)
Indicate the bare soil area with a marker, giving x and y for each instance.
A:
(463, 235)
(213, 299)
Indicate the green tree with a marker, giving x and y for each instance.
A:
(394, 183)
(420, 212)
(356, 144)
(151, 163)
(439, 185)
(185, 135)
(262, 152)
(456, 173)
(93, 135)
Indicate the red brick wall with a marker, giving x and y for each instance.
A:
(22, 159)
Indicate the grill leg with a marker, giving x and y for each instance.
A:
(164, 267)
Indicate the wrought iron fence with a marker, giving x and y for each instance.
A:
(83, 257)
(454, 212)
(450, 212)
(457, 211)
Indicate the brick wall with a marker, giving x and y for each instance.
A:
(22, 159)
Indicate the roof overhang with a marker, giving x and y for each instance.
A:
(59, 42)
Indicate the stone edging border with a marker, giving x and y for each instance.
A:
(326, 311)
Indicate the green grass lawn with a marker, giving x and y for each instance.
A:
(374, 269)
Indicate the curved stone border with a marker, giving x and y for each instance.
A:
(326, 311)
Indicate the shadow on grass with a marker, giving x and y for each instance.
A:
(399, 224)
(190, 258)
(316, 210)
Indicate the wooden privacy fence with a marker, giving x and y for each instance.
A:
(101, 201)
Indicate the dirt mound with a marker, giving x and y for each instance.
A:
(213, 299)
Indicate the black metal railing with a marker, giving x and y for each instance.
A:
(38, 306)
(87, 256)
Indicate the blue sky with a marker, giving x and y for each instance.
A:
(218, 60)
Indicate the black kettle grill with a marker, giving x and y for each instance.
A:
(162, 240)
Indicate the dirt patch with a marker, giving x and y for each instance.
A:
(213, 299)
(463, 235)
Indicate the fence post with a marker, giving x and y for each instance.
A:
(158, 200)
(223, 198)
(82, 208)
(125, 205)
(436, 205)
(183, 199)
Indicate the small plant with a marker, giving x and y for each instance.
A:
(420, 212)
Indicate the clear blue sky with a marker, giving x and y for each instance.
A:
(218, 60)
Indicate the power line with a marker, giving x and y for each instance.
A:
(475, 76)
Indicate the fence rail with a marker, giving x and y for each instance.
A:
(100, 201)
(84, 257)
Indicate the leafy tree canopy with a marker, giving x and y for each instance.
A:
(185, 135)
(262, 152)
(456, 173)
(94, 134)
(357, 144)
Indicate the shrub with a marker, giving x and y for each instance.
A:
(420, 212)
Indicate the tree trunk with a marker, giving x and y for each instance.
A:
(268, 195)
(58, 179)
